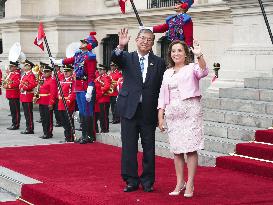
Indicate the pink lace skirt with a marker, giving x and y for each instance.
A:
(184, 125)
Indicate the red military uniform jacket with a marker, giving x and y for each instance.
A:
(12, 85)
(114, 75)
(60, 75)
(90, 65)
(27, 84)
(48, 92)
(102, 86)
(68, 87)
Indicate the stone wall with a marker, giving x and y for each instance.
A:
(231, 32)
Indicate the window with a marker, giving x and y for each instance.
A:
(160, 3)
(2, 8)
(164, 42)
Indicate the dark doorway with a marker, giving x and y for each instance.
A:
(109, 44)
(164, 42)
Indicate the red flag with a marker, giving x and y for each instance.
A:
(39, 40)
(122, 5)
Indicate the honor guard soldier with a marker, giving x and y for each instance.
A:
(58, 119)
(39, 77)
(84, 63)
(103, 83)
(114, 74)
(45, 96)
(27, 84)
(178, 26)
(11, 84)
(68, 88)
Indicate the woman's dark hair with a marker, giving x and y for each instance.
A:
(186, 49)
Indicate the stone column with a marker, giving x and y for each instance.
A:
(251, 52)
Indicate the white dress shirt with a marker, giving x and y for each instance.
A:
(145, 61)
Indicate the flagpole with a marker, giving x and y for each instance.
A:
(59, 86)
(137, 16)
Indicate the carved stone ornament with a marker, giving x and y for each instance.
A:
(110, 3)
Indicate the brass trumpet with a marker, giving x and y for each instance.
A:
(112, 87)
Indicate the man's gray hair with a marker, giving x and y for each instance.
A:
(145, 30)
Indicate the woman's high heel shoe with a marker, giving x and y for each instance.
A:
(189, 195)
(176, 193)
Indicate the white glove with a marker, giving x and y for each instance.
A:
(144, 27)
(88, 94)
(56, 62)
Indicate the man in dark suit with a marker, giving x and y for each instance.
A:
(137, 105)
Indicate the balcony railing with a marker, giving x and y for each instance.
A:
(159, 3)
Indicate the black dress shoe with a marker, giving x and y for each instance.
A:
(83, 141)
(26, 132)
(148, 189)
(46, 137)
(130, 188)
(39, 121)
(57, 125)
(42, 136)
(12, 128)
(115, 122)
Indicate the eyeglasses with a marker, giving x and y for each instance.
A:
(149, 40)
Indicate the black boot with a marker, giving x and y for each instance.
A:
(84, 139)
(91, 131)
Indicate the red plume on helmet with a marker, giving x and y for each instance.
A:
(186, 4)
(91, 41)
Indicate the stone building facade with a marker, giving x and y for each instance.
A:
(231, 32)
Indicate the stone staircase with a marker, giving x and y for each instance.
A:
(229, 119)
(11, 183)
(234, 116)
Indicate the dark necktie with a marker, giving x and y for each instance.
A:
(141, 63)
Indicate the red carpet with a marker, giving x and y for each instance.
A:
(12, 203)
(254, 150)
(264, 136)
(90, 174)
(261, 151)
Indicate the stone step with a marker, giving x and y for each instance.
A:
(6, 196)
(220, 145)
(230, 131)
(208, 158)
(12, 181)
(247, 94)
(259, 83)
(239, 105)
(162, 148)
(238, 118)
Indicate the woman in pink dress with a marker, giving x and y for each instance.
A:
(179, 103)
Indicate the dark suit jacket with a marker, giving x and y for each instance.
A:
(133, 86)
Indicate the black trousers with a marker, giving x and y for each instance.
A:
(68, 130)
(57, 113)
(104, 117)
(14, 106)
(88, 128)
(47, 120)
(113, 101)
(131, 129)
(28, 112)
